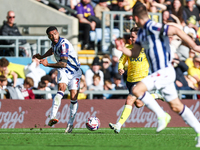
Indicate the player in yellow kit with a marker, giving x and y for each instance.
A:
(138, 68)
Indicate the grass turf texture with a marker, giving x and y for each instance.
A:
(104, 138)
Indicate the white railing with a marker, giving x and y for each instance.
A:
(117, 92)
(41, 41)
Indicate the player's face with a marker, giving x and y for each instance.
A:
(136, 20)
(54, 36)
(133, 37)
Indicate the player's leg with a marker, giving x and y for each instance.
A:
(56, 103)
(157, 96)
(178, 107)
(125, 114)
(73, 110)
(127, 108)
(73, 87)
(141, 92)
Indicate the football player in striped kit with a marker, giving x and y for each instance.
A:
(69, 74)
(154, 38)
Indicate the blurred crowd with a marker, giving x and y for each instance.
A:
(19, 81)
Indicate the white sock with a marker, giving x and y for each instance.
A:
(151, 103)
(56, 104)
(73, 110)
(190, 119)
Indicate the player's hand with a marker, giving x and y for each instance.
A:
(121, 71)
(119, 44)
(38, 56)
(44, 62)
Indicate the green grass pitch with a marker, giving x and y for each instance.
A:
(104, 138)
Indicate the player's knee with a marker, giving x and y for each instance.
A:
(135, 91)
(139, 103)
(177, 108)
(61, 87)
(73, 94)
(130, 100)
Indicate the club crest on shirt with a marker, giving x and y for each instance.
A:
(64, 50)
(59, 79)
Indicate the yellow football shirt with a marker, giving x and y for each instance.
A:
(138, 68)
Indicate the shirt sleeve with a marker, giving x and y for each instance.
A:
(122, 61)
(159, 29)
(79, 9)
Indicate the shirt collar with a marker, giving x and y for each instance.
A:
(60, 39)
(146, 23)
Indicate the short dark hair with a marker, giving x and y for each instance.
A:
(51, 28)
(3, 78)
(134, 29)
(96, 75)
(46, 77)
(41, 84)
(139, 10)
(4, 62)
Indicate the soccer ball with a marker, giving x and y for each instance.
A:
(92, 123)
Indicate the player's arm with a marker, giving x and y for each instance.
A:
(61, 64)
(134, 52)
(121, 64)
(48, 53)
(172, 30)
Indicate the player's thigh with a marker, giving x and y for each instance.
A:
(74, 82)
(139, 89)
(62, 77)
(169, 92)
(159, 79)
(63, 80)
(130, 85)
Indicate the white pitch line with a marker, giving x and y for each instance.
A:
(58, 129)
(103, 134)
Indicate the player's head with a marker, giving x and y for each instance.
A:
(53, 34)
(140, 13)
(133, 34)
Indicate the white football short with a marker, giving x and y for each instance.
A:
(71, 80)
(162, 80)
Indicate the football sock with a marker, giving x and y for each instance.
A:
(56, 104)
(151, 103)
(125, 114)
(190, 119)
(73, 110)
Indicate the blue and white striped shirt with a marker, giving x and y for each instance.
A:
(65, 48)
(156, 45)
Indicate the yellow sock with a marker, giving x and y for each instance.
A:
(125, 114)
